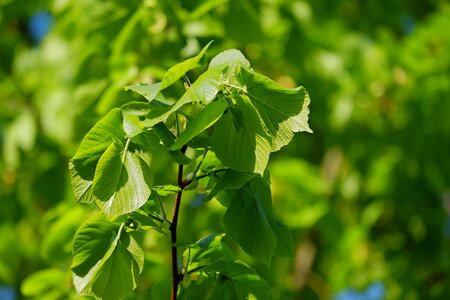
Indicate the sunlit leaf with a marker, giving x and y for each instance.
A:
(149, 91)
(122, 181)
(284, 111)
(207, 117)
(177, 71)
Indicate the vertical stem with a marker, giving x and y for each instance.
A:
(176, 276)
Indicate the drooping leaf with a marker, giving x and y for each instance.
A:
(177, 71)
(149, 91)
(240, 140)
(284, 111)
(107, 260)
(122, 181)
(248, 220)
(207, 117)
(91, 242)
(117, 275)
(100, 136)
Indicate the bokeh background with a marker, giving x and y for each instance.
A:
(367, 196)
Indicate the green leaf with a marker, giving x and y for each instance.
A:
(248, 220)
(284, 111)
(118, 274)
(122, 181)
(238, 281)
(231, 180)
(240, 140)
(207, 117)
(132, 125)
(149, 91)
(177, 71)
(42, 282)
(91, 242)
(168, 139)
(136, 108)
(107, 260)
(100, 136)
(203, 90)
(167, 190)
(285, 243)
(81, 176)
(229, 59)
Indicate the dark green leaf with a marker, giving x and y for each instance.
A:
(248, 220)
(231, 180)
(285, 243)
(168, 139)
(207, 117)
(240, 140)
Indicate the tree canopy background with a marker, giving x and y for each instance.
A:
(367, 196)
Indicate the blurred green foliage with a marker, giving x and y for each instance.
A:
(366, 195)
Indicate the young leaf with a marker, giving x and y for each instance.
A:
(149, 91)
(240, 140)
(203, 90)
(230, 60)
(207, 117)
(122, 181)
(284, 111)
(100, 136)
(248, 219)
(177, 71)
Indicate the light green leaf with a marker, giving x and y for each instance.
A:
(122, 181)
(81, 177)
(177, 71)
(167, 190)
(149, 91)
(132, 125)
(207, 117)
(136, 108)
(284, 111)
(42, 282)
(203, 90)
(240, 140)
(100, 136)
(229, 59)
(248, 218)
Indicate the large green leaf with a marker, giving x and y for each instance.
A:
(240, 140)
(122, 181)
(91, 242)
(207, 117)
(284, 111)
(107, 260)
(100, 136)
(230, 60)
(177, 71)
(248, 220)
